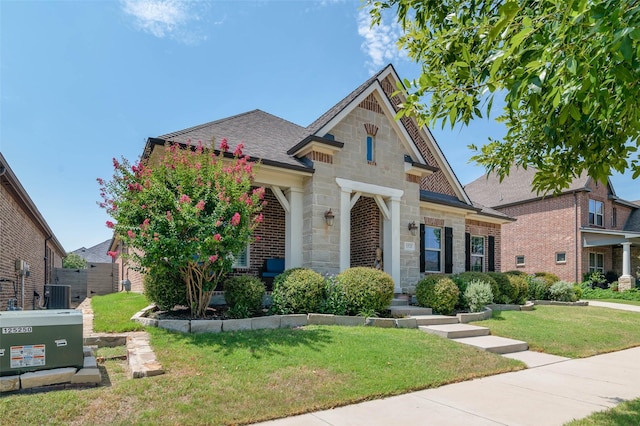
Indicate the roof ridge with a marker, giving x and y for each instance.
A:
(200, 126)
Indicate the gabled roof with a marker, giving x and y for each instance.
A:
(264, 136)
(95, 254)
(633, 221)
(515, 188)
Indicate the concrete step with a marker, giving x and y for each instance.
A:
(400, 302)
(495, 344)
(409, 310)
(455, 331)
(435, 319)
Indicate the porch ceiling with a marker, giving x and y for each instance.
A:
(599, 238)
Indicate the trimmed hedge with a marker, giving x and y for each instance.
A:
(297, 291)
(164, 287)
(520, 286)
(463, 279)
(366, 290)
(244, 291)
(478, 295)
(438, 292)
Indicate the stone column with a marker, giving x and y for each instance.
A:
(293, 225)
(626, 281)
(345, 229)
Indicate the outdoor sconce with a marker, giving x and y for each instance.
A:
(413, 228)
(329, 217)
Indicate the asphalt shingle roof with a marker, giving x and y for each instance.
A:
(95, 254)
(633, 222)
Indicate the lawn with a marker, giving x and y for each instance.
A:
(243, 377)
(625, 414)
(570, 331)
(112, 312)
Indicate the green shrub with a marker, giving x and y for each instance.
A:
(463, 279)
(515, 272)
(165, 287)
(562, 291)
(366, 289)
(334, 300)
(596, 279)
(538, 288)
(238, 312)
(506, 293)
(478, 294)
(297, 291)
(578, 291)
(246, 290)
(438, 292)
(521, 288)
(548, 277)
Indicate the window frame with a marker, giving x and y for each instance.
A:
(247, 263)
(562, 253)
(475, 255)
(370, 149)
(520, 263)
(438, 250)
(595, 256)
(594, 214)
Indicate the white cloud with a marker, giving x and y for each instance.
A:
(167, 18)
(379, 41)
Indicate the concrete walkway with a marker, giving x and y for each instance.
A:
(553, 391)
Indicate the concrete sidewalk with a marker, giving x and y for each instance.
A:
(620, 306)
(548, 395)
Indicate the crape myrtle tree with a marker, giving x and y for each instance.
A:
(192, 210)
(568, 71)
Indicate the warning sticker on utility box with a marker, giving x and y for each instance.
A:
(27, 356)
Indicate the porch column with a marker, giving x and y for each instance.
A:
(626, 281)
(391, 253)
(345, 228)
(293, 229)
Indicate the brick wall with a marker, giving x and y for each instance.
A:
(365, 232)
(22, 238)
(486, 230)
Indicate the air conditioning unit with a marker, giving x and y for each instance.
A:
(57, 296)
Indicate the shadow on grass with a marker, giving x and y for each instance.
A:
(497, 315)
(258, 342)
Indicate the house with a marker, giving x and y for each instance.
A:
(352, 183)
(585, 228)
(29, 251)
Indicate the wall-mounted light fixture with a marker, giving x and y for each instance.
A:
(329, 217)
(413, 228)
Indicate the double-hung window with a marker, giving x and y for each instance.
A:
(596, 213)
(241, 260)
(477, 254)
(596, 262)
(432, 249)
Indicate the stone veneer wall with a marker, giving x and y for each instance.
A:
(458, 225)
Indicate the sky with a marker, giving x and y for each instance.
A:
(82, 82)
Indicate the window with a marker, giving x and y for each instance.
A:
(432, 249)
(596, 213)
(477, 254)
(596, 262)
(520, 260)
(614, 217)
(370, 149)
(242, 259)
(561, 257)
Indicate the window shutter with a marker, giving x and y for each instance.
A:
(448, 250)
(491, 259)
(467, 251)
(421, 247)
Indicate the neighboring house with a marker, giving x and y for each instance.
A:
(351, 182)
(95, 254)
(585, 228)
(29, 251)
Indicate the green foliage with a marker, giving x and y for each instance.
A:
(562, 291)
(191, 208)
(297, 291)
(238, 311)
(600, 293)
(578, 291)
(334, 300)
(438, 292)
(164, 287)
(548, 277)
(596, 279)
(521, 286)
(244, 291)
(506, 293)
(538, 288)
(478, 294)
(74, 261)
(548, 61)
(463, 279)
(366, 289)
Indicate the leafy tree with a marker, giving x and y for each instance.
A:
(191, 210)
(74, 261)
(568, 71)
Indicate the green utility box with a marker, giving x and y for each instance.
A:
(40, 340)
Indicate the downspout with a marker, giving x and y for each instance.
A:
(577, 257)
(46, 259)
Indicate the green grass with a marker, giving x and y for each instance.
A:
(570, 331)
(625, 414)
(244, 377)
(112, 312)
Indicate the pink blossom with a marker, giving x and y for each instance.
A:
(131, 234)
(258, 238)
(259, 218)
(144, 206)
(217, 237)
(200, 205)
(213, 258)
(145, 224)
(116, 164)
(110, 224)
(185, 198)
(198, 166)
(235, 220)
(113, 254)
(169, 216)
(224, 146)
(100, 181)
(218, 223)
(238, 151)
